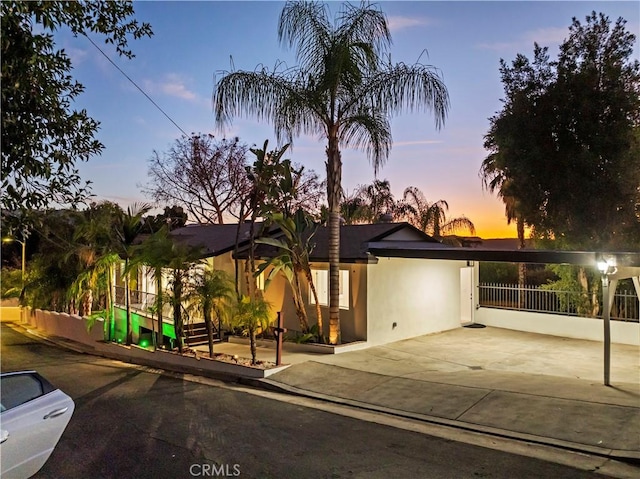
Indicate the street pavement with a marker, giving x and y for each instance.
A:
(525, 387)
(530, 387)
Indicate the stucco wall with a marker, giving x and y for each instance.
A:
(353, 321)
(420, 296)
(558, 325)
(67, 326)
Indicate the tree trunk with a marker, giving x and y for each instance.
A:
(522, 267)
(298, 301)
(177, 309)
(110, 318)
(209, 324)
(236, 261)
(583, 280)
(334, 178)
(159, 306)
(252, 342)
(127, 302)
(88, 303)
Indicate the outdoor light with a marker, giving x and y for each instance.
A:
(235, 358)
(24, 245)
(607, 265)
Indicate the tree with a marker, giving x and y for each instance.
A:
(295, 249)
(94, 246)
(574, 176)
(203, 175)
(173, 217)
(128, 226)
(343, 89)
(252, 314)
(42, 135)
(156, 251)
(214, 295)
(376, 201)
(431, 217)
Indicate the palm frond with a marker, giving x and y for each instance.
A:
(403, 87)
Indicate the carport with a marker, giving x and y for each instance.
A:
(613, 267)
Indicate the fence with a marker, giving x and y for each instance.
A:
(145, 302)
(573, 303)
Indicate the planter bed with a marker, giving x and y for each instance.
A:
(190, 362)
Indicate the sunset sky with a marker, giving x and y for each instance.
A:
(194, 41)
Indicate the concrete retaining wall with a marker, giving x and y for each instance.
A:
(76, 328)
(65, 325)
(10, 313)
(622, 332)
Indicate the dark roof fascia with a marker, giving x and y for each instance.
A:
(369, 260)
(398, 249)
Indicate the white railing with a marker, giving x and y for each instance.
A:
(535, 299)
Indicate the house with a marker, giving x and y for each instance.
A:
(381, 300)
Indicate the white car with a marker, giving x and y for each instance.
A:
(33, 416)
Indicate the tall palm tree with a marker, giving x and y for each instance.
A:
(293, 260)
(344, 89)
(495, 178)
(213, 294)
(432, 217)
(156, 251)
(128, 226)
(377, 200)
(93, 245)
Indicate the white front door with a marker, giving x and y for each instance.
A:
(466, 295)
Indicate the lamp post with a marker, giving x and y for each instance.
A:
(607, 268)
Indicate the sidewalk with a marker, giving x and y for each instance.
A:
(525, 386)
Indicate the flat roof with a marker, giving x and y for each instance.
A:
(411, 249)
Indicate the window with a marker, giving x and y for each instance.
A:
(19, 388)
(321, 282)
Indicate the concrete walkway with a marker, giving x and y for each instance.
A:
(537, 388)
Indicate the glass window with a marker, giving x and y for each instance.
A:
(321, 282)
(17, 389)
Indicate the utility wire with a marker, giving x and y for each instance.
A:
(136, 85)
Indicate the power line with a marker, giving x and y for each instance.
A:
(136, 85)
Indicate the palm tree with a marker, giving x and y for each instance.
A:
(343, 89)
(431, 217)
(495, 178)
(93, 245)
(128, 226)
(213, 294)
(252, 314)
(293, 260)
(180, 261)
(156, 251)
(377, 200)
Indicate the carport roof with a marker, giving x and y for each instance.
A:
(411, 249)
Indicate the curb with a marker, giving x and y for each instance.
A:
(627, 456)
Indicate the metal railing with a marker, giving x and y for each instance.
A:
(144, 302)
(573, 303)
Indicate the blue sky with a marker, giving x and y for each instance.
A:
(193, 41)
